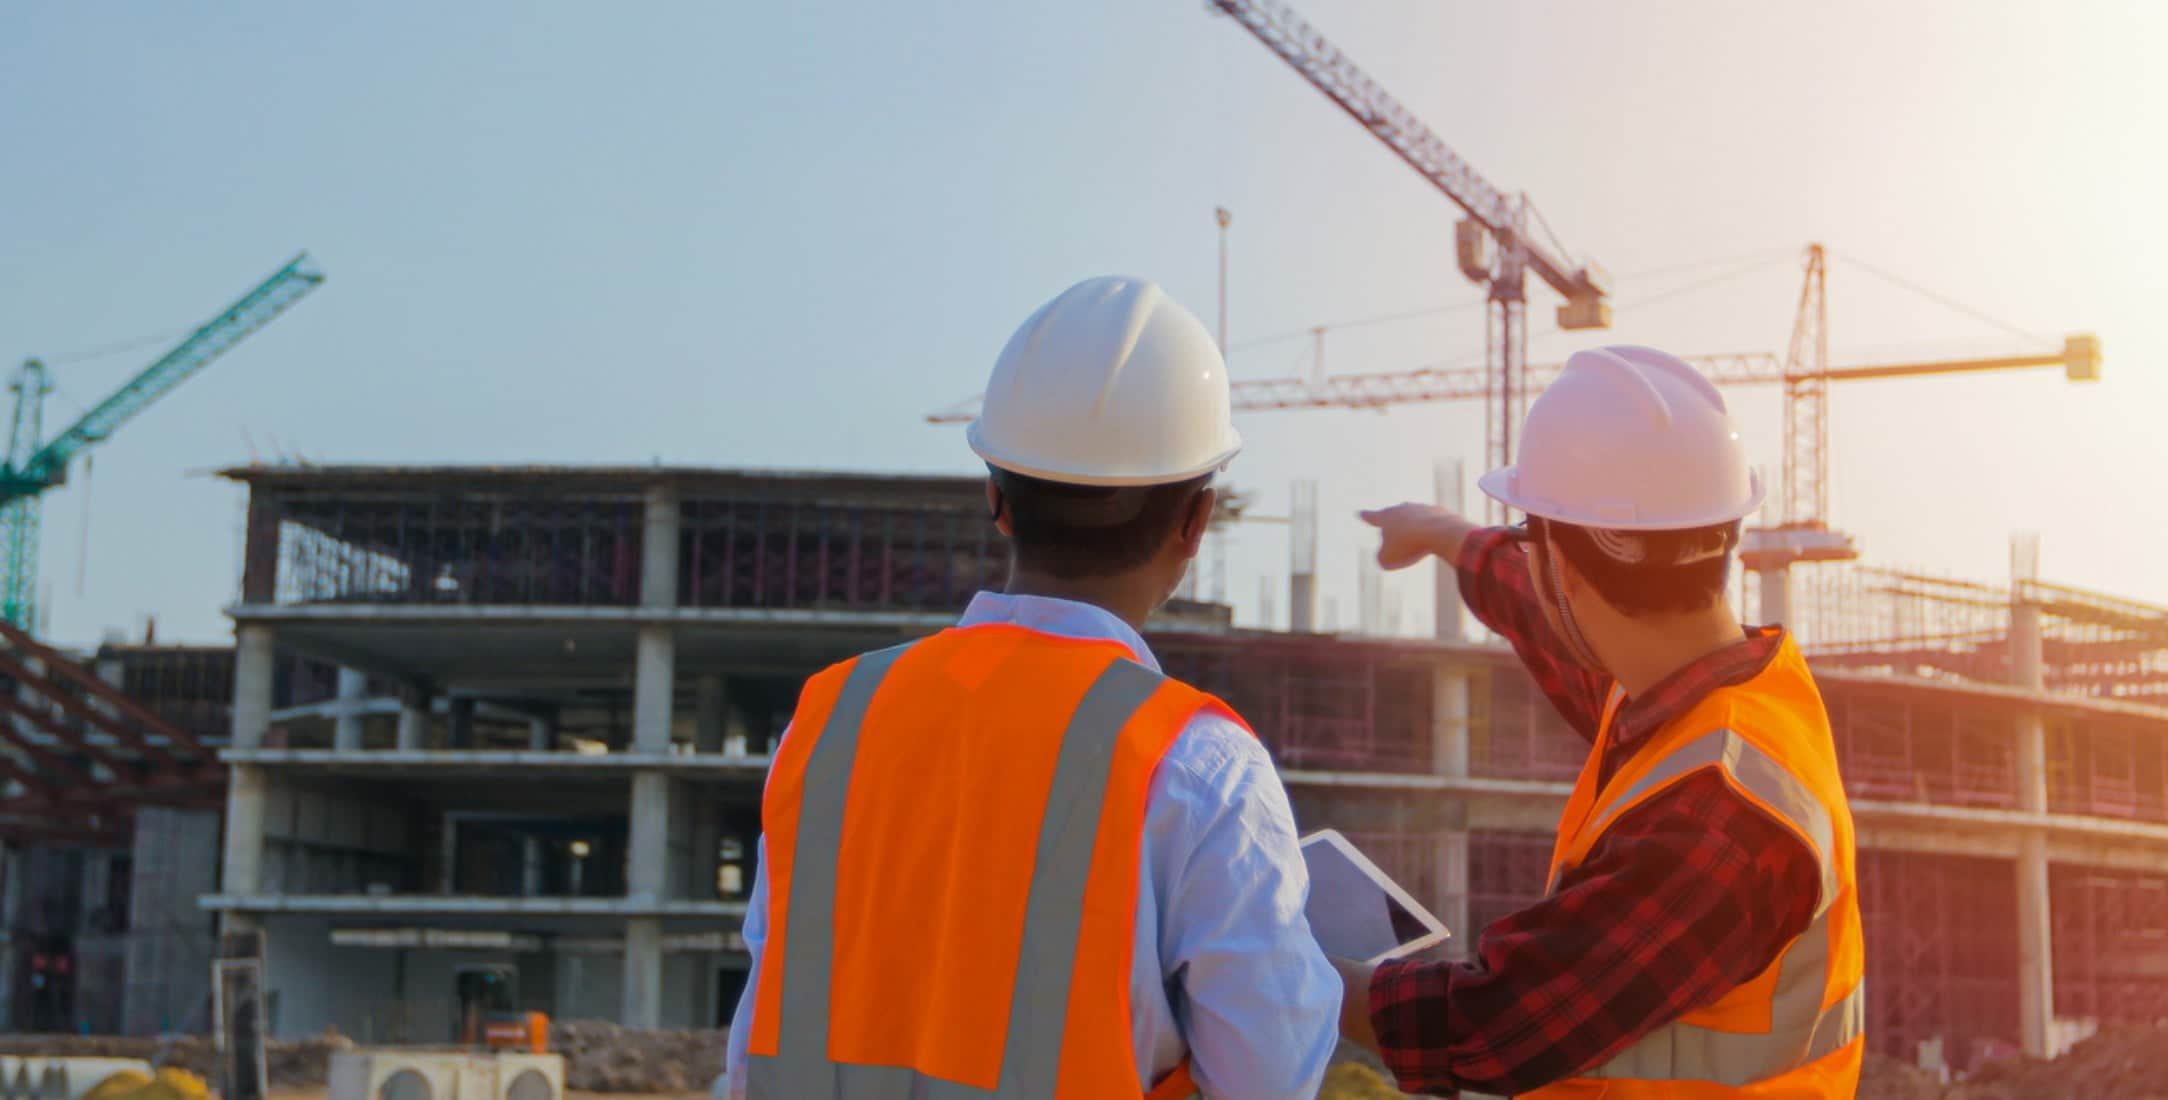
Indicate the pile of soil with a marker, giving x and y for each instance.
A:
(2128, 1063)
(602, 1057)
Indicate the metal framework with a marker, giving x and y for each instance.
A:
(1897, 745)
(1318, 703)
(765, 552)
(77, 755)
(1941, 938)
(439, 548)
(2110, 962)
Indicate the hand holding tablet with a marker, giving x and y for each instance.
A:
(1356, 911)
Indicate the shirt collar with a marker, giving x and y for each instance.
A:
(1675, 694)
(1062, 618)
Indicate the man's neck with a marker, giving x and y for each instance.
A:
(1117, 596)
(1654, 651)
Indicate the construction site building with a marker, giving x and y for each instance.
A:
(490, 716)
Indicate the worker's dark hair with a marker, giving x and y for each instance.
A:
(1652, 586)
(1080, 531)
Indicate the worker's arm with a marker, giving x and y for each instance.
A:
(1255, 999)
(1494, 583)
(1688, 896)
(741, 1023)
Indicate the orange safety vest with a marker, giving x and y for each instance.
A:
(954, 833)
(1796, 1031)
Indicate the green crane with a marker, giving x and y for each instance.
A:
(33, 467)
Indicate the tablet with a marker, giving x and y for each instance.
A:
(1355, 910)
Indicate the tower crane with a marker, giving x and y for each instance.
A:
(1803, 533)
(1497, 245)
(33, 467)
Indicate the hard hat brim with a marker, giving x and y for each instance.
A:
(1503, 486)
(1016, 465)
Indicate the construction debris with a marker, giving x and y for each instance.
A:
(602, 1057)
(1886, 1078)
(293, 1064)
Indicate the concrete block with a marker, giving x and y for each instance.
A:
(404, 1073)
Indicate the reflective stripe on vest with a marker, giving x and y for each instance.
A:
(1801, 1029)
(1753, 770)
(1031, 1052)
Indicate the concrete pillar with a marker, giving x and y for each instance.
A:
(353, 693)
(661, 522)
(1448, 621)
(247, 787)
(1449, 721)
(1301, 602)
(253, 659)
(530, 867)
(654, 674)
(2036, 946)
(448, 856)
(652, 685)
(459, 723)
(643, 972)
(542, 734)
(246, 791)
(710, 711)
(1776, 595)
(415, 703)
(647, 854)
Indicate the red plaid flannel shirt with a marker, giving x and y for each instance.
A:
(1683, 899)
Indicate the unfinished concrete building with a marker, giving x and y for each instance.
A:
(556, 689)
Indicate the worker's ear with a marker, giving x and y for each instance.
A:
(1196, 520)
(997, 509)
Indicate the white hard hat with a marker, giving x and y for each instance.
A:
(1112, 383)
(1629, 439)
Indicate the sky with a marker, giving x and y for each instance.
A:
(774, 235)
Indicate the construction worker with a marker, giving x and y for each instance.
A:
(1699, 936)
(1014, 859)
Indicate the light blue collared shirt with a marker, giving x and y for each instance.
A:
(1225, 970)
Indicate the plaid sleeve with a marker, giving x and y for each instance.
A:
(1684, 899)
(1494, 584)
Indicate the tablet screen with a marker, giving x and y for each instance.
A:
(1355, 911)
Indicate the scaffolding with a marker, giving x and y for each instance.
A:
(1942, 953)
(1910, 623)
(1514, 731)
(2111, 944)
(1897, 745)
(1318, 704)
